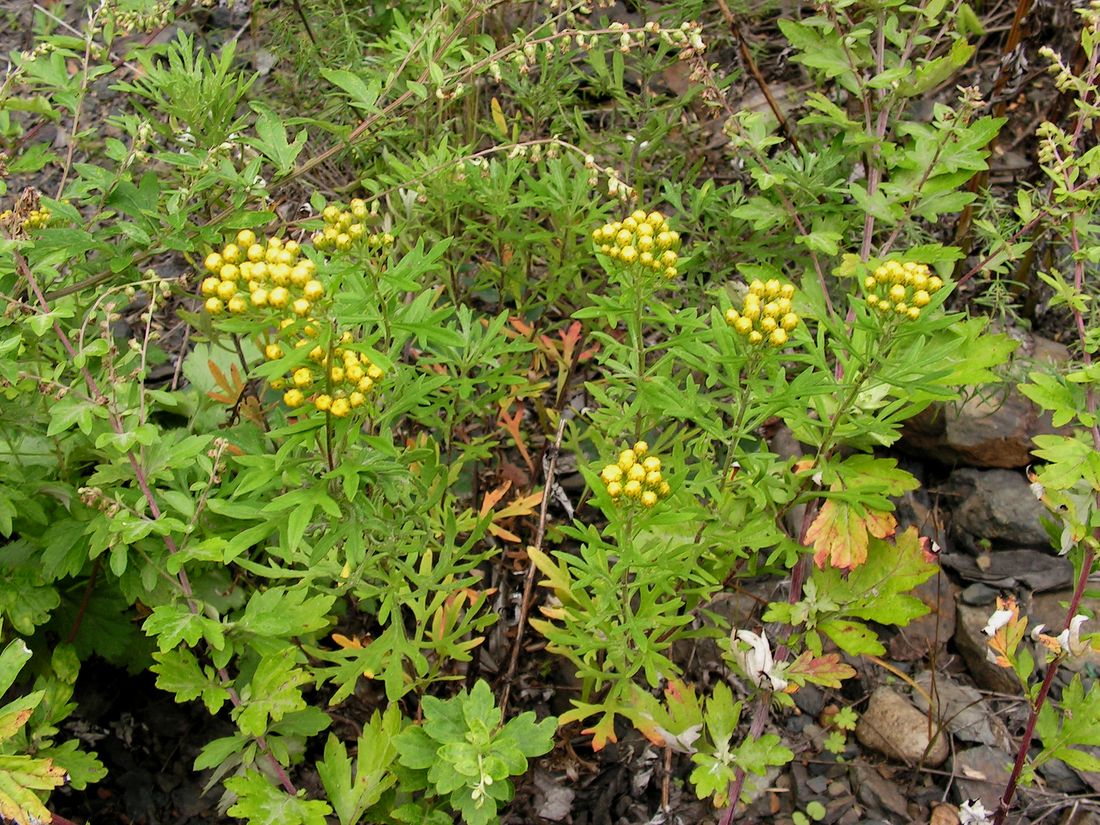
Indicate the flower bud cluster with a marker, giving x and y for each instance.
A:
(1055, 147)
(347, 228)
(254, 273)
(766, 314)
(157, 15)
(335, 382)
(279, 280)
(640, 242)
(636, 476)
(901, 288)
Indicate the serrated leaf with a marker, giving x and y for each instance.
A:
(261, 803)
(352, 792)
(840, 533)
(281, 612)
(274, 692)
(21, 779)
(178, 672)
(827, 670)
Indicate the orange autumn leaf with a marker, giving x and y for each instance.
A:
(839, 534)
(522, 506)
(602, 732)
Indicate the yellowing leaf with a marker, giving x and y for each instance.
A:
(20, 777)
(557, 576)
(839, 534)
(498, 116)
(827, 670)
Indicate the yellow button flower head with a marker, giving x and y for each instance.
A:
(253, 272)
(766, 313)
(642, 243)
(901, 288)
(636, 476)
(346, 229)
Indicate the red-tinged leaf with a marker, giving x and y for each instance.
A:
(451, 610)
(840, 533)
(522, 506)
(569, 339)
(827, 670)
(676, 724)
(346, 642)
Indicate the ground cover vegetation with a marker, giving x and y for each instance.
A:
(396, 384)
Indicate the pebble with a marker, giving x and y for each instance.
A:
(892, 726)
(979, 595)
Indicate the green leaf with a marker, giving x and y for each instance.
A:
(179, 673)
(82, 768)
(852, 637)
(362, 95)
(273, 693)
(281, 613)
(15, 655)
(352, 792)
(416, 749)
(273, 140)
(175, 623)
(261, 803)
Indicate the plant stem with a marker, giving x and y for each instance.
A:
(154, 509)
(637, 338)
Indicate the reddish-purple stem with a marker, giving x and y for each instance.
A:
(150, 499)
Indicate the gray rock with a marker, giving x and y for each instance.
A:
(997, 505)
(843, 811)
(979, 595)
(987, 430)
(1009, 569)
(981, 773)
(961, 710)
(876, 792)
(892, 726)
(810, 699)
(1061, 777)
(971, 644)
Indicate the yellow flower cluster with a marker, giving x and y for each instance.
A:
(271, 273)
(636, 475)
(641, 240)
(36, 218)
(766, 313)
(345, 379)
(901, 288)
(345, 228)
